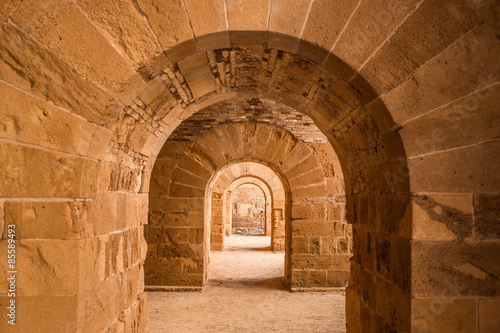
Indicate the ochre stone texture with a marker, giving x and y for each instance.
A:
(406, 93)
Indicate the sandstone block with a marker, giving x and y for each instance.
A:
(392, 305)
(441, 269)
(353, 312)
(364, 253)
(445, 217)
(299, 153)
(189, 164)
(174, 149)
(196, 280)
(488, 320)
(301, 211)
(206, 16)
(328, 16)
(480, 174)
(97, 307)
(184, 191)
(393, 214)
(244, 15)
(169, 21)
(183, 177)
(392, 260)
(184, 205)
(50, 21)
(59, 313)
(46, 268)
(162, 266)
(134, 40)
(314, 176)
(312, 228)
(313, 191)
(318, 278)
(443, 315)
(311, 261)
(48, 220)
(301, 167)
(475, 49)
(40, 173)
(288, 24)
(361, 284)
(300, 245)
(455, 125)
(126, 289)
(335, 212)
(369, 27)
(103, 212)
(487, 216)
(337, 279)
(194, 219)
(38, 69)
(300, 278)
(37, 122)
(406, 43)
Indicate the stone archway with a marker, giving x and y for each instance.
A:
(316, 221)
(236, 174)
(103, 87)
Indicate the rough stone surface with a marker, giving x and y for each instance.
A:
(71, 37)
(168, 20)
(288, 24)
(134, 40)
(246, 15)
(47, 76)
(326, 20)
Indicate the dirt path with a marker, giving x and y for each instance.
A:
(245, 294)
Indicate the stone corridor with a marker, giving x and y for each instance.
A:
(244, 293)
(371, 127)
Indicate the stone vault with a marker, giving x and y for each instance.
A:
(405, 92)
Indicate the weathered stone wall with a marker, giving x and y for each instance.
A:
(78, 221)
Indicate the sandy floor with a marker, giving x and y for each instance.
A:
(244, 294)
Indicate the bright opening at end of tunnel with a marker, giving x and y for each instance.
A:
(248, 211)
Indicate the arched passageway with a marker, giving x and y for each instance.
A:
(310, 226)
(224, 185)
(249, 208)
(405, 92)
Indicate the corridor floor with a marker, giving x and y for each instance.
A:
(244, 294)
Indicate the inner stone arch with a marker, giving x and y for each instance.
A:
(188, 170)
(220, 192)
